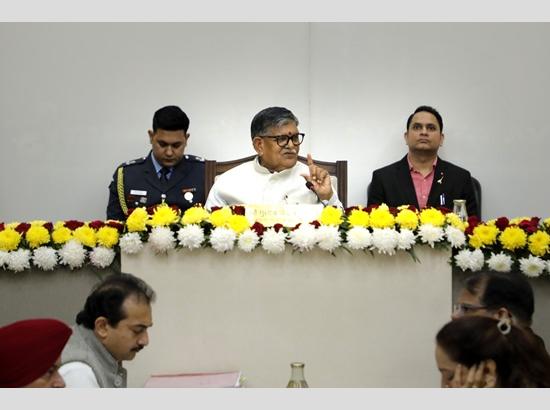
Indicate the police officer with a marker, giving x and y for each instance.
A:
(165, 174)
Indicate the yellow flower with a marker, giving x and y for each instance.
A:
(238, 223)
(37, 223)
(85, 235)
(61, 234)
(513, 238)
(220, 217)
(164, 216)
(381, 217)
(59, 224)
(9, 239)
(37, 235)
(455, 221)
(432, 216)
(407, 219)
(12, 225)
(107, 236)
(359, 217)
(547, 223)
(137, 220)
(194, 215)
(538, 243)
(487, 234)
(475, 241)
(331, 216)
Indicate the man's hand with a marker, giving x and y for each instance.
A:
(319, 179)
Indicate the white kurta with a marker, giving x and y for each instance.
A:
(251, 183)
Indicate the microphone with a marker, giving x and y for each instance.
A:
(309, 186)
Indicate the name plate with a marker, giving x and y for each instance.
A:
(287, 215)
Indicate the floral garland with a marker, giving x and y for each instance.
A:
(502, 245)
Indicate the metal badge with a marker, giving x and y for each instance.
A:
(188, 196)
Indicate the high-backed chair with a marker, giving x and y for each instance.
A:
(338, 169)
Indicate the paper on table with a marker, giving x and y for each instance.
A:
(217, 379)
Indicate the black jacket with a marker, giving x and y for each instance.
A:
(393, 186)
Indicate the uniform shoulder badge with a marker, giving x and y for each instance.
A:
(134, 161)
(193, 158)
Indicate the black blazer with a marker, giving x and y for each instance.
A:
(142, 187)
(393, 186)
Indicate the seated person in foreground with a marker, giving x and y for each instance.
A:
(111, 328)
(479, 351)
(421, 178)
(30, 353)
(275, 176)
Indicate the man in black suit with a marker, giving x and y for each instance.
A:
(164, 174)
(421, 178)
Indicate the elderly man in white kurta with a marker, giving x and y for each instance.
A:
(275, 176)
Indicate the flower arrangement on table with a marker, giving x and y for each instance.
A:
(501, 244)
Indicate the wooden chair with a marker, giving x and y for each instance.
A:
(338, 169)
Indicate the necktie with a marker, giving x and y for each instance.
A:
(164, 171)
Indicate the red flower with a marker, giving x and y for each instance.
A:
(444, 210)
(258, 228)
(278, 227)
(72, 224)
(530, 225)
(316, 224)
(296, 227)
(151, 209)
(2, 226)
(394, 211)
(115, 224)
(129, 212)
(370, 208)
(48, 226)
(238, 210)
(502, 223)
(412, 208)
(473, 221)
(351, 208)
(96, 224)
(23, 227)
(176, 209)
(215, 208)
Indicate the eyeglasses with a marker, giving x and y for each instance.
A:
(465, 308)
(282, 140)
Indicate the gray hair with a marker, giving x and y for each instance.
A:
(271, 117)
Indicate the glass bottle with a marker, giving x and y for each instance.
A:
(297, 375)
(459, 208)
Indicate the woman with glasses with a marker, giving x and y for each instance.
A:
(275, 176)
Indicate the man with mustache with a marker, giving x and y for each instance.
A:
(421, 178)
(275, 176)
(111, 328)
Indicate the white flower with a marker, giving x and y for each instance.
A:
(3, 258)
(385, 240)
(191, 236)
(248, 240)
(102, 257)
(466, 259)
(328, 237)
(19, 260)
(532, 266)
(44, 258)
(222, 239)
(359, 238)
(430, 234)
(130, 243)
(303, 238)
(161, 239)
(547, 265)
(500, 262)
(272, 241)
(405, 239)
(72, 253)
(456, 237)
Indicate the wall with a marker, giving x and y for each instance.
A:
(77, 100)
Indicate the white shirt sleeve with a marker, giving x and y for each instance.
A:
(78, 374)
